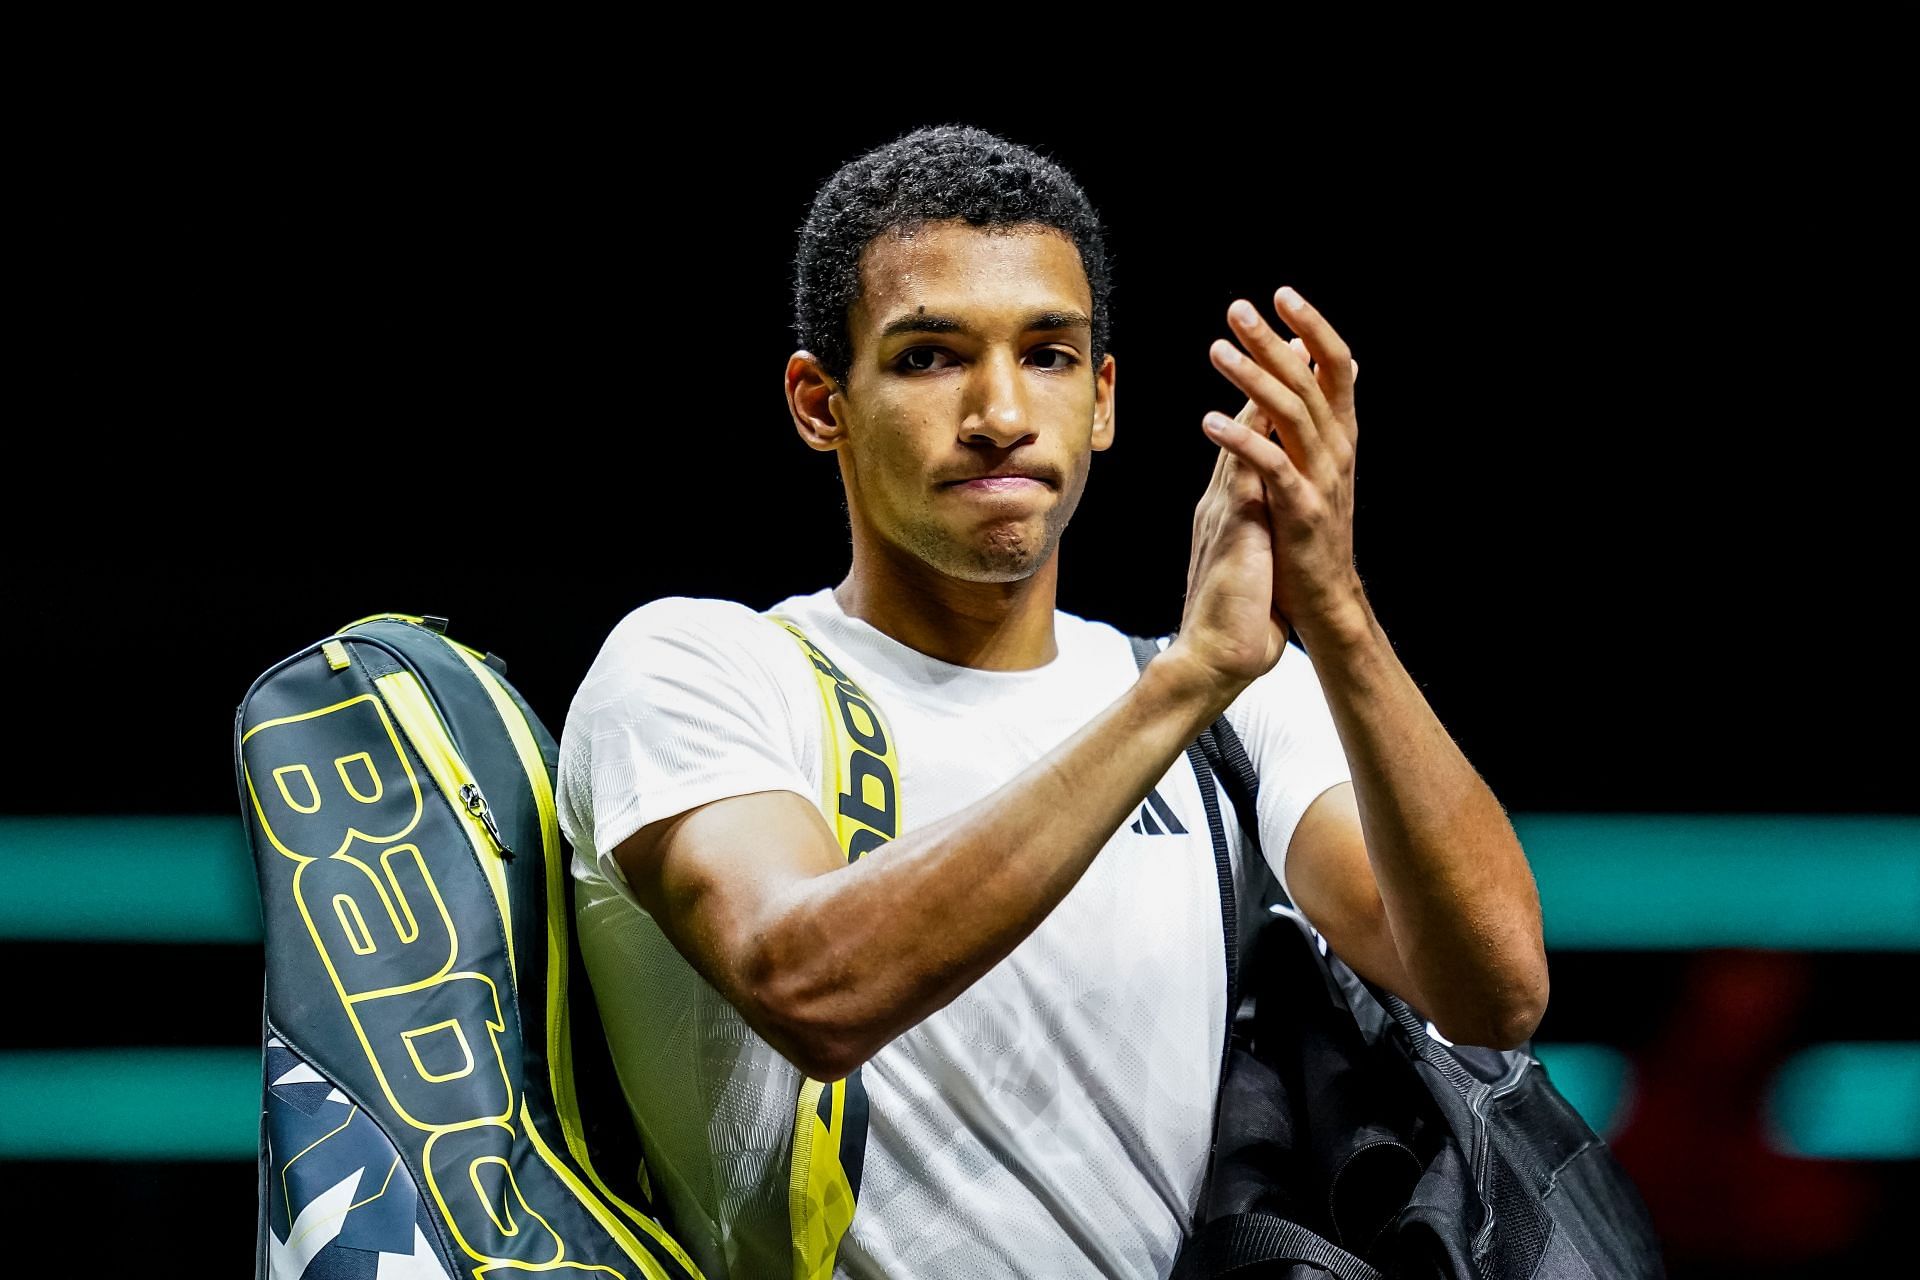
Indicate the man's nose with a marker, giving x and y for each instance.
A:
(997, 408)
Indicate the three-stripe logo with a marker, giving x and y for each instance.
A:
(1169, 824)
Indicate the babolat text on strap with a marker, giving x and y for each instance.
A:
(860, 792)
(421, 1113)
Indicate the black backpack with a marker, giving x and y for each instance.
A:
(1350, 1142)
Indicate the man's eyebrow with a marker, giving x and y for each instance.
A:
(921, 322)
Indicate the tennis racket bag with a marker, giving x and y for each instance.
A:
(427, 1103)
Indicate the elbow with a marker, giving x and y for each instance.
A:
(804, 1013)
(820, 1047)
(828, 1061)
(1526, 1013)
(1515, 1020)
(1504, 1021)
(1516, 1026)
(1493, 1029)
(1522, 999)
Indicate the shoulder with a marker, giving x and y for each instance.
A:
(687, 651)
(699, 630)
(1291, 679)
(690, 699)
(680, 616)
(1284, 703)
(1091, 640)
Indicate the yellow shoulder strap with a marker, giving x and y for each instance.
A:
(860, 790)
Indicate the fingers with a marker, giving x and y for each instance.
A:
(1275, 376)
(1299, 348)
(1280, 406)
(1243, 481)
(1224, 462)
(1259, 456)
(1228, 471)
(1232, 476)
(1337, 367)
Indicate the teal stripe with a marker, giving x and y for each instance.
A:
(127, 879)
(1849, 1101)
(1607, 881)
(1842, 1101)
(1631, 881)
(130, 1104)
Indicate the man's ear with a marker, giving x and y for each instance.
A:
(815, 401)
(1103, 403)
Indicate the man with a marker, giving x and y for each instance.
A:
(1027, 979)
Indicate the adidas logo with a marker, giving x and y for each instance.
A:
(1168, 825)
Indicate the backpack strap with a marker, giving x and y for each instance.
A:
(861, 795)
(1228, 754)
(1250, 1243)
(1201, 754)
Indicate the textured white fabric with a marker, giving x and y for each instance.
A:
(1053, 1121)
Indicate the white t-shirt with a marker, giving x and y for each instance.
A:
(1054, 1119)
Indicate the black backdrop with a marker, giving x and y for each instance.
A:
(1621, 484)
(1627, 505)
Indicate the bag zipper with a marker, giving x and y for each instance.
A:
(406, 695)
(476, 802)
(559, 1049)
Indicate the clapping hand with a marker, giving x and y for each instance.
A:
(1302, 391)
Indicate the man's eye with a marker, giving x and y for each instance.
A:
(909, 357)
(921, 359)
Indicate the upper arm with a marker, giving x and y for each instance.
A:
(714, 878)
(687, 769)
(1334, 887)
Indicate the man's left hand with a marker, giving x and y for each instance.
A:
(1303, 390)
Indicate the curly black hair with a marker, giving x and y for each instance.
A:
(940, 173)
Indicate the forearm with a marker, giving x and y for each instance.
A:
(1454, 883)
(853, 957)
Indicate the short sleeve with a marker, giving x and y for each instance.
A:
(1287, 728)
(689, 701)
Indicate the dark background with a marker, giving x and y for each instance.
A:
(1632, 504)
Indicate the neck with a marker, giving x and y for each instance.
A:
(991, 626)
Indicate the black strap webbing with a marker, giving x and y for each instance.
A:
(1219, 754)
(1200, 754)
(1248, 1240)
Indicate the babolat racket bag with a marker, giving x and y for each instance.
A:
(427, 1104)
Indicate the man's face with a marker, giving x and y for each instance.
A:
(971, 355)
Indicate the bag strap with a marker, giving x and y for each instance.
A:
(1227, 754)
(860, 775)
(1242, 1242)
(1246, 1242)
(1200, 755)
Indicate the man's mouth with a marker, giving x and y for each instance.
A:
(998, 484)
(1005, 473)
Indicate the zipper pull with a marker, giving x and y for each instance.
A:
(477, 806)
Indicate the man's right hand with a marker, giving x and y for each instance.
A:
(1230, 633)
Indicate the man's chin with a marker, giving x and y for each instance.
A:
(998, 562)
(1004, 551)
